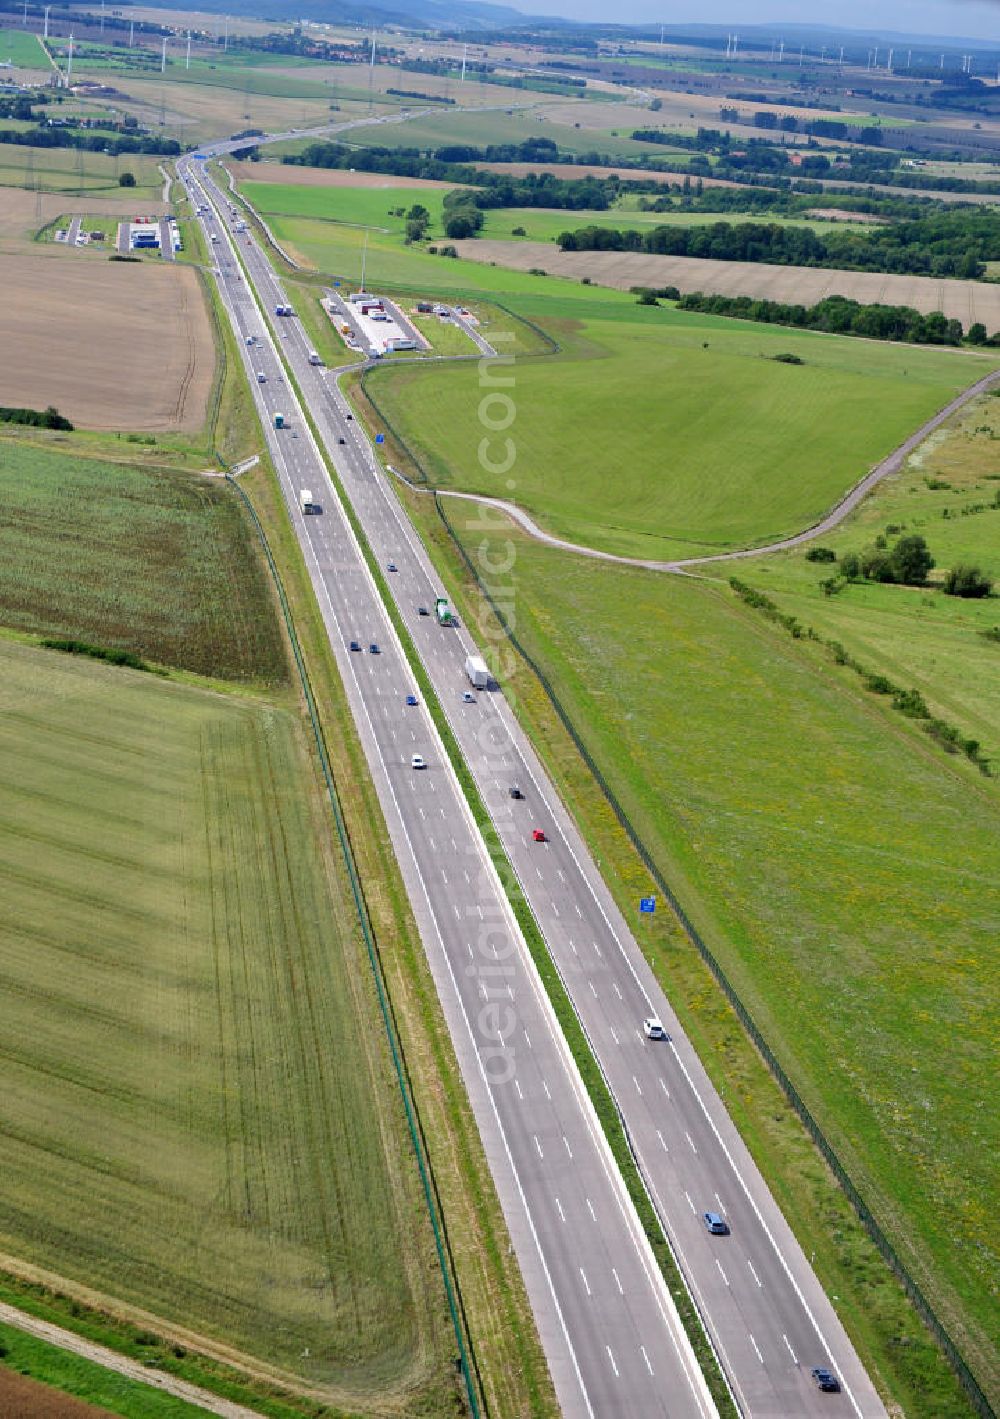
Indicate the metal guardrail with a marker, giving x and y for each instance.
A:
(469, 1371)
(967, 1379)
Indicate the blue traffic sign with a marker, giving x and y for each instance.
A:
(336, 283)
(647, 904)
(380, 438)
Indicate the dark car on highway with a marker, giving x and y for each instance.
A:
(373, 648)
(355, 645)
(825, 1380)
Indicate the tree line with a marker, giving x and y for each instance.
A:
(840, 316)
(941, 244)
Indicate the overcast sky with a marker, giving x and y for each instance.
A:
(976, 19)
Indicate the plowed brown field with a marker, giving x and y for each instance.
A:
(24, 1398)
(111, 345)
(966, 301)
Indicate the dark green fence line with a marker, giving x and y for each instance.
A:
(470, 1372)
(923, 1307)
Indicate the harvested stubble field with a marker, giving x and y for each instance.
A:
(112, 345)
(159, 563)
(197, 1115)
(967, 301)
(290, 175)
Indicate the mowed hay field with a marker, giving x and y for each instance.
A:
(112, 345)
(659, 433)
(198, 1114)
(967, 301)
(840, 866)
(159, 563)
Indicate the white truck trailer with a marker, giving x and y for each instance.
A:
(305, 500)
(478, 672)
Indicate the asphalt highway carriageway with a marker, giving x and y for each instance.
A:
(610, 1332)
(766, 1313)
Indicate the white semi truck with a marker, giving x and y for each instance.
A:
(478, 672)
(305, 500)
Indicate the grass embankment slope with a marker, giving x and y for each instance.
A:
(659, 433)
(199, 1112)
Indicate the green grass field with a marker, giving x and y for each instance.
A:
(154, 562)
(22, 49)
(67, 170)
(377, 208)
(661, 433)
(514, 126)
(842, 869)
(198, 1112)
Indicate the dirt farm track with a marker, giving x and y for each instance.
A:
(112, 345)
(966, 301)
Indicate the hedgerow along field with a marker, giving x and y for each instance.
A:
(840, 867)
(159, 563)
(658, 433)
(199, 1115)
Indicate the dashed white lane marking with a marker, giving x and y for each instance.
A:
(638, 1086)
(617, 990)
(586, 1283)
(756, 1348)
(517, 1086)
(590, 1209)
(538, 1145)
(562, 1214)
(754, 1274)
(528, 1038)
(642, 1350)
(690, 1203)
(791, 1352)
(663, 1144)
(721, 1272)
(568, 1148)
(612, 1359)
(618, 1283)
(664, 1087)
(691, 1141)
(546, 1088)
(614, 1035)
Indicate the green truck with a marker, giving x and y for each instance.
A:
(443, 612)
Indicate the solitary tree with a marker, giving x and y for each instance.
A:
(126, 179)
(910, 561)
